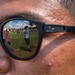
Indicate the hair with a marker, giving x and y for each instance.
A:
(69, 5)
(25, 27)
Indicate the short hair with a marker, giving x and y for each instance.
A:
(25, 27)
(69, 5)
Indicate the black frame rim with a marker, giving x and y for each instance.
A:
(40, 32)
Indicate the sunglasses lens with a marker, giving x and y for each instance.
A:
(21, 38)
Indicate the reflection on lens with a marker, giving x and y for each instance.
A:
(21, 38)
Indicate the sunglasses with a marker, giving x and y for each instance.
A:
(21, 38)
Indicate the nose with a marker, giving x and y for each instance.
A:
(4, 62)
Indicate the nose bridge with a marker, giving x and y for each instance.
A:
(4, 61)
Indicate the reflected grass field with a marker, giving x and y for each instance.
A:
(19, 46)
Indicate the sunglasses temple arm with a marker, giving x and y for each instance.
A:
(70, 28)
(57, 28)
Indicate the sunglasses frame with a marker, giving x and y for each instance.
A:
(39, 27)
(42, 29)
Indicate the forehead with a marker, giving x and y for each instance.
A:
(21, 5)
(40, 6)
(8, 7)
(49, 10)
(36, 8)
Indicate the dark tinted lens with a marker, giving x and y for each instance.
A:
(21, 38)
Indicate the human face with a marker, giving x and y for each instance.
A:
(57, 53)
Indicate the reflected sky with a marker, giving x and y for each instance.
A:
(17, 24)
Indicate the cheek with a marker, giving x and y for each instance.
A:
(62, 58)
(31, 67)
(65, 52)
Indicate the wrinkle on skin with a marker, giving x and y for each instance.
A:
(58, 41)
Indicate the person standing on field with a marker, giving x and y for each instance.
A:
(7, 38)
(26, 37)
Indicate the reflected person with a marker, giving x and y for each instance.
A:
(27, 37)
(7, 36)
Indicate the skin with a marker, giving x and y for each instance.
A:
(57, 52)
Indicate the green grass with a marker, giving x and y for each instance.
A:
(19, 46)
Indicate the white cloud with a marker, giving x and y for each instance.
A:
(18, 24)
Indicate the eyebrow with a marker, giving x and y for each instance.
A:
(26, 15)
